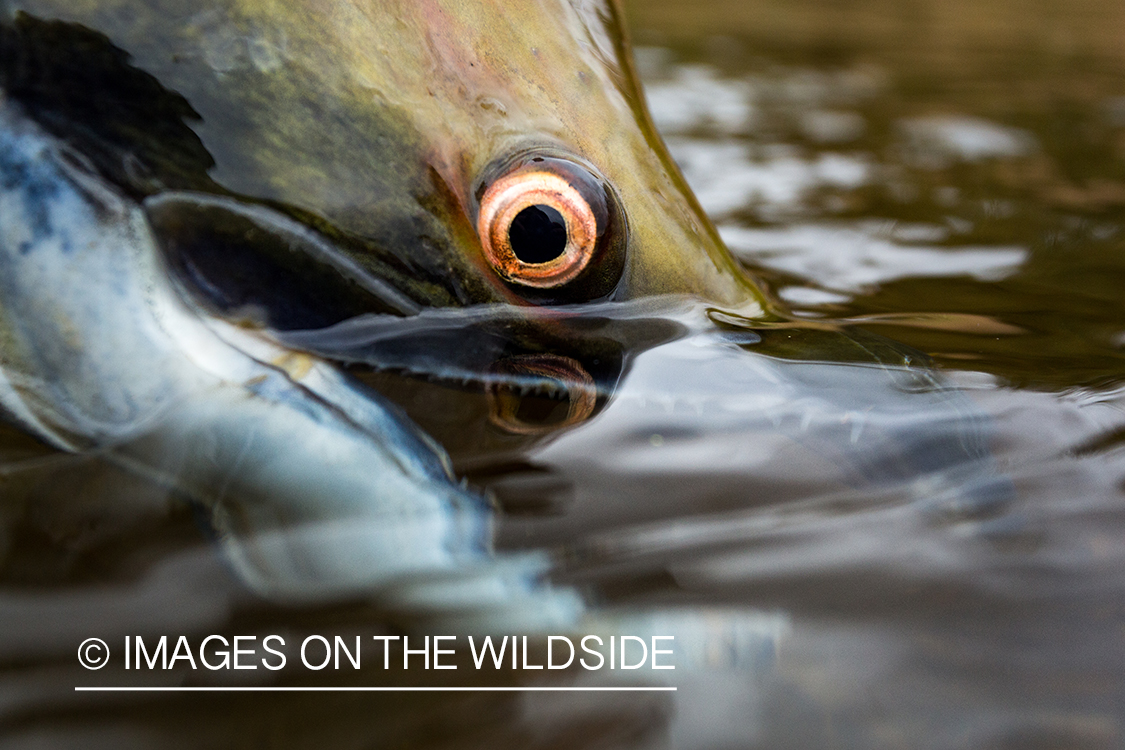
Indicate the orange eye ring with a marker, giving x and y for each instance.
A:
(509, 203)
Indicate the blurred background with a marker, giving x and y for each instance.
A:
(959, 162)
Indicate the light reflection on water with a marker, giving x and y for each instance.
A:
(928, 624)
(858, 559)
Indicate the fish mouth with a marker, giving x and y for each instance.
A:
(540, 393)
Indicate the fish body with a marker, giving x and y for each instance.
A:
(206, 210)
(182, 183)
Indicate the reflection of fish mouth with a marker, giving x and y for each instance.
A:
(539, 393)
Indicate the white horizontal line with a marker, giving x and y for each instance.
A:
(287, 689)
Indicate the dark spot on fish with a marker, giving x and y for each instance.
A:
(82, 89)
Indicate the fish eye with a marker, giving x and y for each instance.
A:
(547, 222)
(536, 229)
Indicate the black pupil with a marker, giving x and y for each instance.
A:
(538, 234)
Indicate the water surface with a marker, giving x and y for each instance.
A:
(864, 554)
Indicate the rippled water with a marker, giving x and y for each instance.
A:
(856, 553)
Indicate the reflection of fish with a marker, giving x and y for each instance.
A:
(203, 212)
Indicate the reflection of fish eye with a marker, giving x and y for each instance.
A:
(546, 222)
(547, 392)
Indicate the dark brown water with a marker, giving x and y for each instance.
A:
(858, 561)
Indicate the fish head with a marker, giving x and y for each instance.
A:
(307, 163)
(410, 137)
(401, 147)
